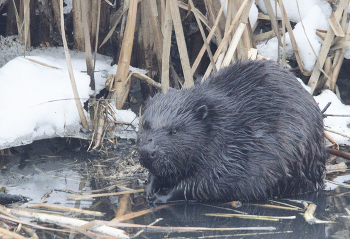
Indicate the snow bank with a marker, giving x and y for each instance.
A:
(37, 102)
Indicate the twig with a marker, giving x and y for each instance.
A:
(337, 67)
(141, 231)
(11, 234)
(335, 132)
(88, 53)
(104, 194)
(65, 221)
(168, 28)
(40, 63)
(283, 61)
(122, 86)
(285, 204)
(210, 35)
(337, 183)
(178, 229)
(180, 39)
(273, 206)
(210, 54)
(70, 70)
(339, 167)
(309, 215)
(138, 214)
(292, 38)
(118, 15)
(327, 115)
(97, 30)
(324, 49)
(12, 218)
(246, 234)
(265, 35)
(149, 80)
(66, 209)
(245, 5)
(339, 153)
(247, 216)
(273, 19)
(233, 45)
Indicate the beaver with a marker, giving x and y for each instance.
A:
(248, 132)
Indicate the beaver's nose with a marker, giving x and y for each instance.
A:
(147, 149)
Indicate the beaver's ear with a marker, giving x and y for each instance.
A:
(201, 112)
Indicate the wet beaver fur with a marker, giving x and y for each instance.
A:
(249, 132)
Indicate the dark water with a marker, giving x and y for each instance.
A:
(60, 169)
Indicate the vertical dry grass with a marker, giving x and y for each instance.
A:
(163, 26)
(167, 30)
(78, 34)
(244, 7)
(87, 45)
(71, 75)
(121, 85)
(57, 17)
(325, 48)
(175, 13)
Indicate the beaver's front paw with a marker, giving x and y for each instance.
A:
(151, 188)
(149, 191)
(159, 198)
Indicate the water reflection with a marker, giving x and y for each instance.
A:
(61, 172)
(193, 215)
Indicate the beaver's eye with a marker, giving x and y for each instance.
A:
(174, 131)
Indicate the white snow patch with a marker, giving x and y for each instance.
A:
(316, 19)
(37, 102)
(291, 7)
(339, 179)
(69, 6)
(338, 124)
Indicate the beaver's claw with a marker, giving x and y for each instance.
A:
(159, 198)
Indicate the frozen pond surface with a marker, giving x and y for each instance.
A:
(50, 171)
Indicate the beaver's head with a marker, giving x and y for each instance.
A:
(175, 128)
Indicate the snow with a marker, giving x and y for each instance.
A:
(69, 6)
(37, 102)
(314, 15)
(315, 19)
(253, 15)
(338, 124)
(304, 7)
